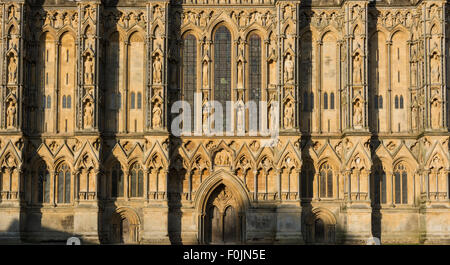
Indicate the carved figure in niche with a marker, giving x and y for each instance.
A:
(287, 12)
(66, 19)
(88, 69)
(11, 115)
(12, 69)
(272, 112)
(156, 118)
(157, 68)
(288, 69)
(435, 114)
(59, 21)
(205, 74)
(12, 12)
(75, 20)
(205, 113)
(88, 115)
(358, 114)
(289, 115)
(435, 68)
(14, 41)
(240, 113)
(240, 81)
(357, 70)
(222, 158)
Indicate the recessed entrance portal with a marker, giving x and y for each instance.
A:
(124, 227)
(222, 221)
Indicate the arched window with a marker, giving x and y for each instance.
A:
(380, 102)
(64, 102)
(311, 101)
(189, 72)
(401, 102)
(401, 184)
(222, 67)
(117, 181)
(332, 100)
(136, 181)
(255, 70)
(69, 102)
(379, 185)
(49, 102)
(63, 184)
(396, 102)
(133, 100)
(43, 102)
(139, 100)
(42, 181)
(325, 101)
(326, 181)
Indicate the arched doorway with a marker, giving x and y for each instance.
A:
(222, 223)
(320, 227)
(124, 227)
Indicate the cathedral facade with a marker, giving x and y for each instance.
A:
(354, 93)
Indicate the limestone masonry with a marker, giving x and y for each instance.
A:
(356, 91)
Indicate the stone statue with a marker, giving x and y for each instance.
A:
(272, 113)
(157, 68)
(156, 118)
(357, 71)
(288, 70)
(205, 115)
(435, 69)
(11, 114)
(240, 114)
(435, 114)
(88, 114)
(12, 12)
(88, 69)
(289, 116)
(240, 79)
(357, 116)
(12, 69)
(205, 74)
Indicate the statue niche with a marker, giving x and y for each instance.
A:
(11, 115)
(357, 69)
(88, 69)
(156, 115)
(357, 114)
(12, 68)
(157, 70)
(436, 114)
(88, 114)
(222, 158)
(240, 114)
(288, 70)
(435, 69)
(289, 115)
